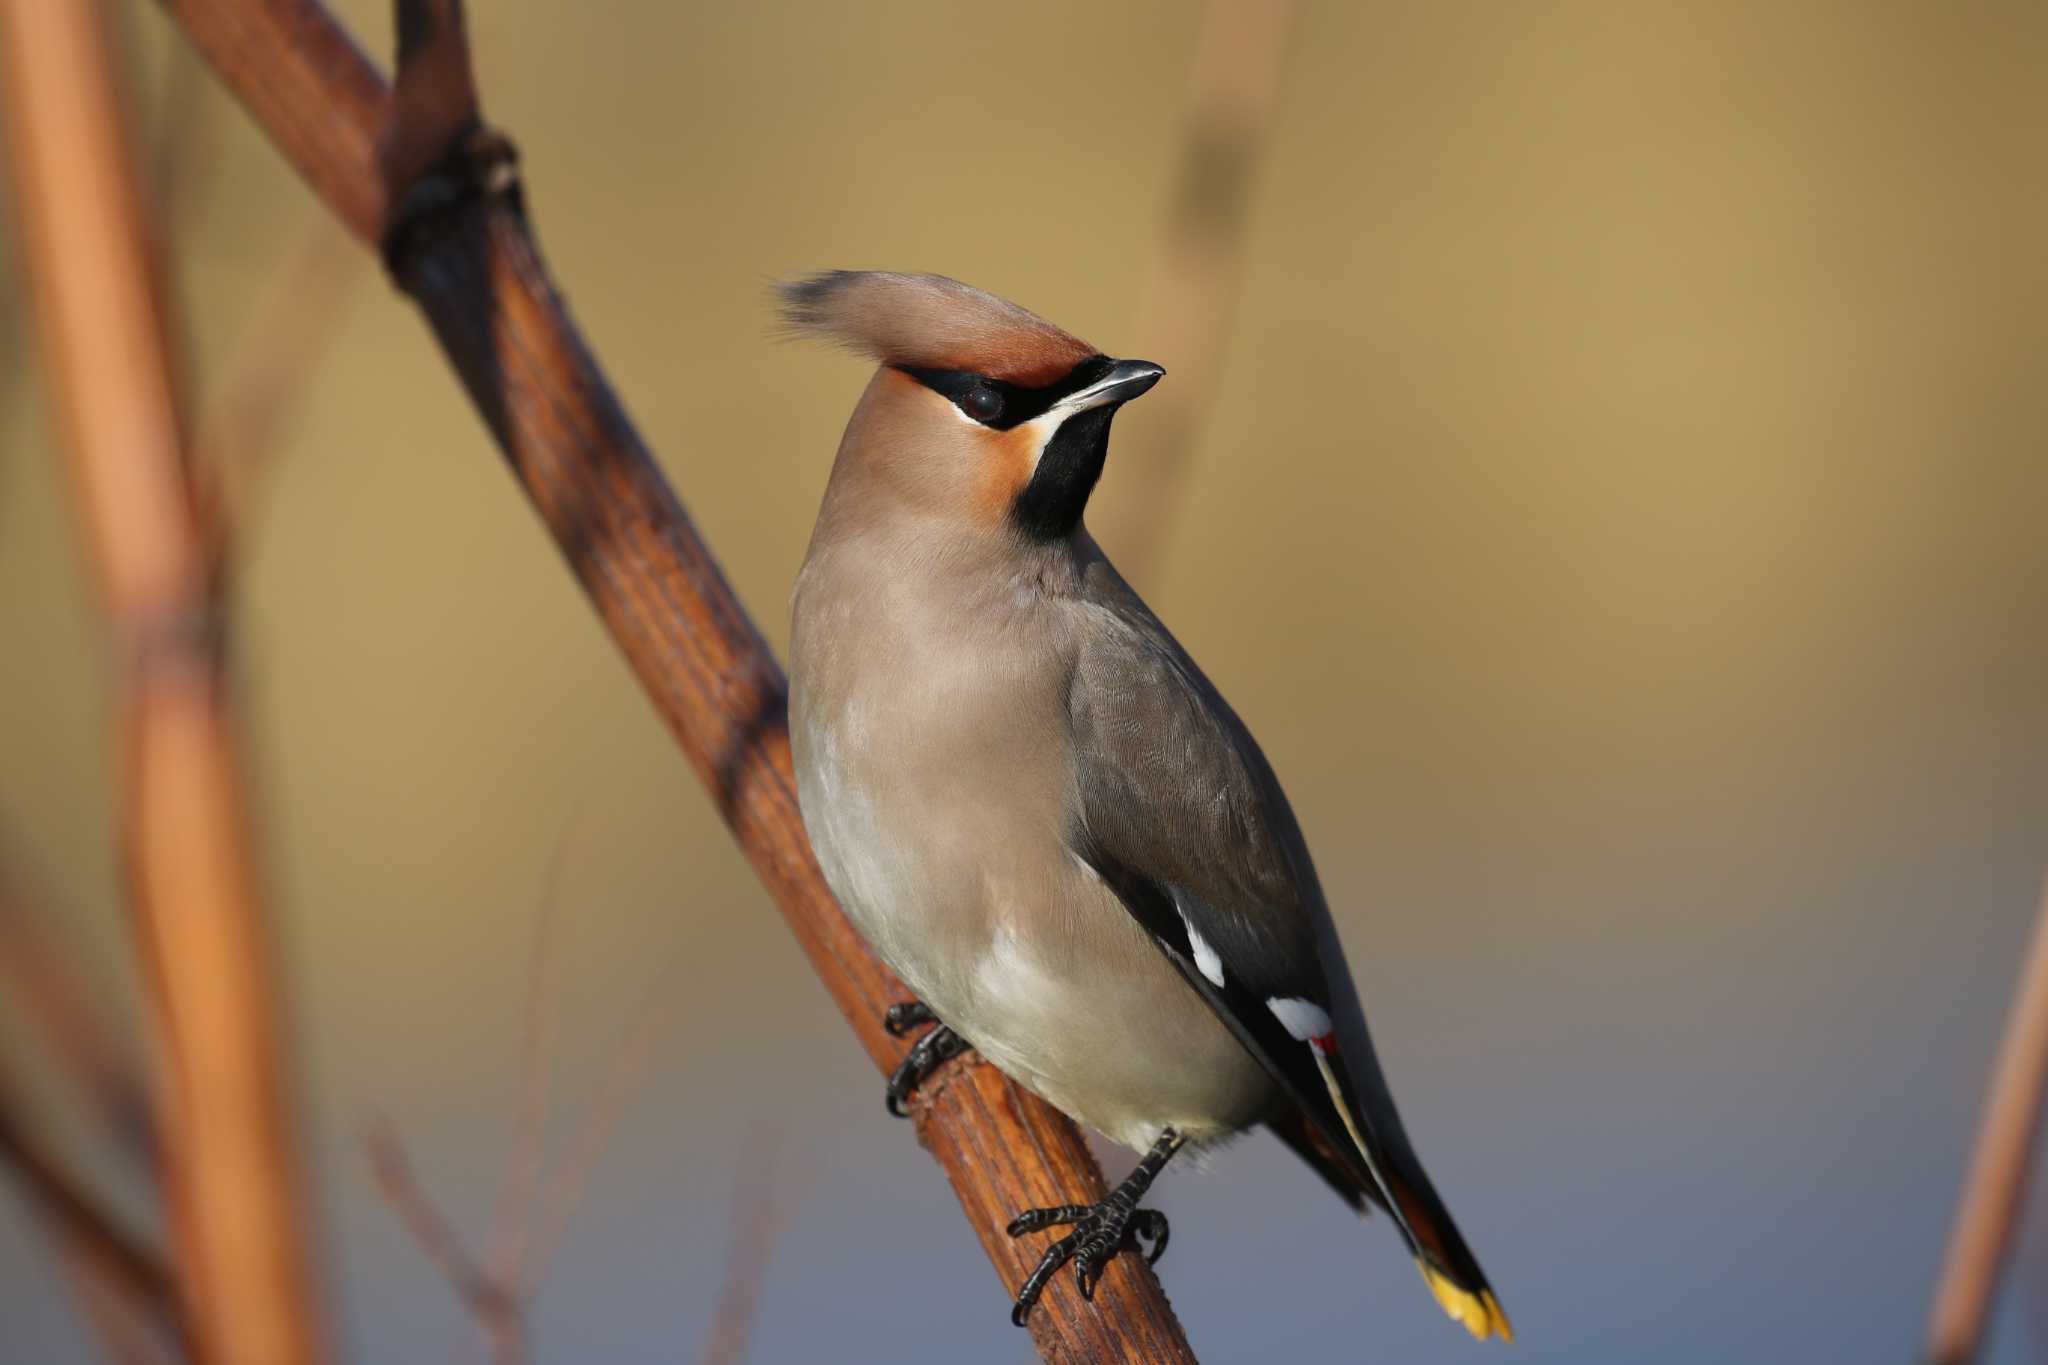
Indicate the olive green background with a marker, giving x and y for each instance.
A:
(1621, 517)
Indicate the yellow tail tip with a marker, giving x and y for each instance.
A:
(1480, 1313)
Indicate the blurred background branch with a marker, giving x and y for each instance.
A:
(764, 1196)
(123, 1293)
(232, 1183)
(274, 358)
(48, 992)
(126, 1295)
(498, 1308)
(1994, 1193)
(1194, 270)
(534, 1206)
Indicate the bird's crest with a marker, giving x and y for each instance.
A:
(930, 322)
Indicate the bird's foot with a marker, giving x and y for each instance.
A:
(1100, 1231)
(938, 1046)
(901, 1019)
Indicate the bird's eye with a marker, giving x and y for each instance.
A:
(982, 403)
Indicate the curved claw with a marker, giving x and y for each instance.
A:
(899, 1020)
(938, 1046)
(1088, 1271)
(902, 1081)
(1041, 1274)
(1035, 1220)
(1151, 1223)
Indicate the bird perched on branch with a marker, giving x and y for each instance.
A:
(1039, 811)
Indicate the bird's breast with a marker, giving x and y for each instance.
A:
(932, 768)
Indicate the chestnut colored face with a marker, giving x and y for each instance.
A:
(1040, 447)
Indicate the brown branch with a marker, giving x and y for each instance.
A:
(1190, 292)
(1996, 1188)
(433, 100)
(231, 1178)
(466, 255)
(103, 1255)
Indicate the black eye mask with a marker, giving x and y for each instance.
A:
(1000, 405)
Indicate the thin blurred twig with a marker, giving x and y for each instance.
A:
(127, 1333)
(1191, 282)
(532, 1212)
(181, 138)
(266, 372)
(104, 1255)
(762, 1200)
(238, 1214)
(49, 992)
(498, 1287)
(623, 1082)
(458, 241)
(498, 1309)
(510, 1236)
(1995, 1190)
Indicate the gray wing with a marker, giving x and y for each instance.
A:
(1181, 814)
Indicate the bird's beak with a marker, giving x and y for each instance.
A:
(1126, 380)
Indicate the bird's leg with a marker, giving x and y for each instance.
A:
(939, 1046)
(1100, 1230)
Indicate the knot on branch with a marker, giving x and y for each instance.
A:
(480, 164)
(191, 637)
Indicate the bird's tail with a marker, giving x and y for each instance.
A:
(1402, 1187)
(1462, 1293)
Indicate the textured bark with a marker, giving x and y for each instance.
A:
(468, 258)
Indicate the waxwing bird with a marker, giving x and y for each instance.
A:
(1038, 810)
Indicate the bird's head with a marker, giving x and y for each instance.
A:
(981, 411)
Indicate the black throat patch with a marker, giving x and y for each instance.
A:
(1051, 505)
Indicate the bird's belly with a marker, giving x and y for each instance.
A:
(1119, 1041)
(1028, 955)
